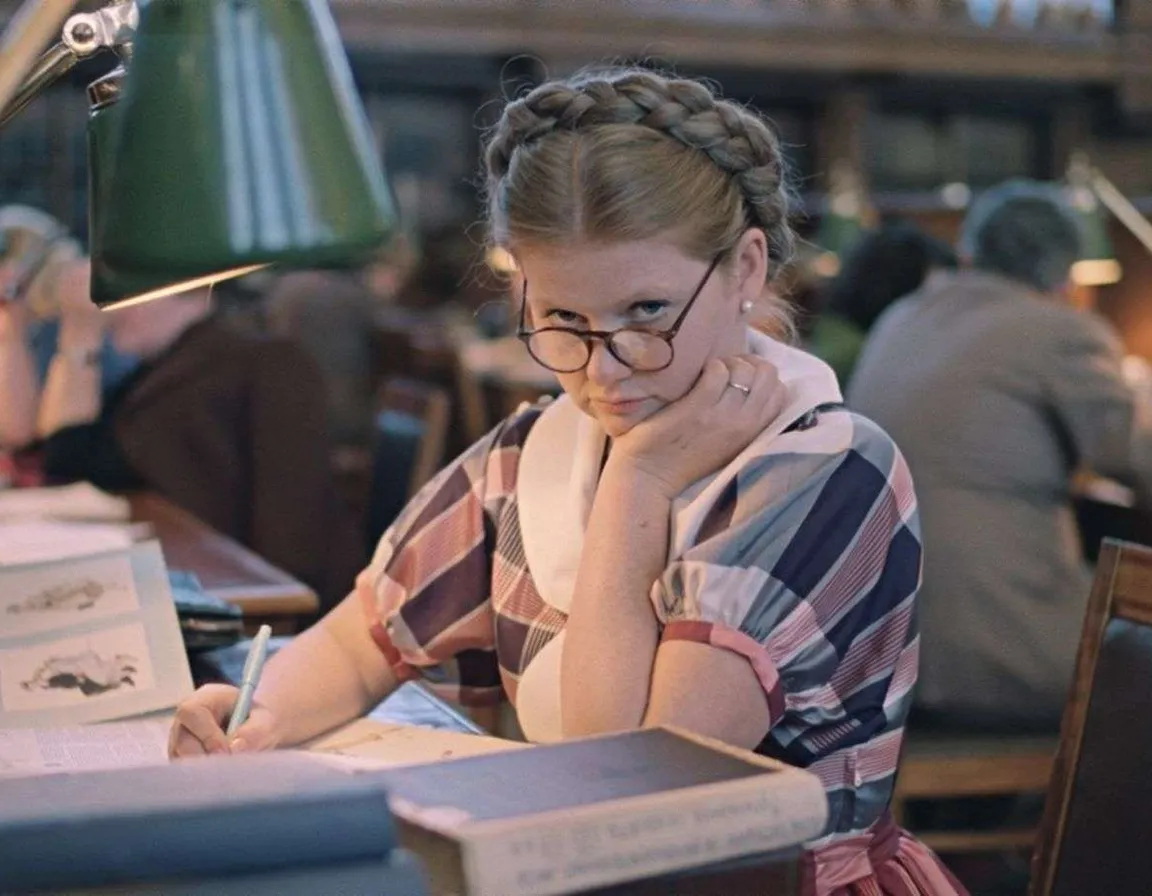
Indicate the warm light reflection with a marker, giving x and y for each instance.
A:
(500, 260)
(1096, 272)
(183, 286)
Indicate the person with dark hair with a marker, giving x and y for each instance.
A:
(999, 391)
(695, 533)
(884, 265)
(228, 425)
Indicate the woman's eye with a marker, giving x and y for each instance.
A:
(560, 318)
(649, 310)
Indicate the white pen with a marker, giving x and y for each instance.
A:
(253, 666)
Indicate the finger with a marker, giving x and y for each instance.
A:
(741, 371)
(202, 725)
(712, 382)
(203, 716)
(768, 392)
(182, 745)
(255, 734)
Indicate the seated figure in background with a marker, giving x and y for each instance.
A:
(228, 425)
(998, 391)
(885, 265)
(331, 313)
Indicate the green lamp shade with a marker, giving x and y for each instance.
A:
(1097, 265)
(237, 142)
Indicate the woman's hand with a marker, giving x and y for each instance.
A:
(198, 727)
(701, 432)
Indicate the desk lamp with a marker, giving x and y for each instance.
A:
(230, 137)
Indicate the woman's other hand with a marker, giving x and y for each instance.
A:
(199, 726)
(732, 402)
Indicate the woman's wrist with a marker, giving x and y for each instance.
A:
(79, 355)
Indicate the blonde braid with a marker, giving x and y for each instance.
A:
(736, 140)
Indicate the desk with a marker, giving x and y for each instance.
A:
(774, 874)
(225, 568)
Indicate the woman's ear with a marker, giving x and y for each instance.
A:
(750, 265)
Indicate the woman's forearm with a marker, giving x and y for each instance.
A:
(325, 677)
(72, 389)
(611, 634)
(21, 392)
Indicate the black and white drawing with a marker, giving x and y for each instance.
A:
(68, 671)
(39, 599)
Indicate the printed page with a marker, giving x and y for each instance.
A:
(79, 501)
(89, 639)
(365, 744)
(41, 751)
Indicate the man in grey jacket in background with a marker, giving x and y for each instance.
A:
(998, 391)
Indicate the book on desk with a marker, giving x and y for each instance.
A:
(535, 821)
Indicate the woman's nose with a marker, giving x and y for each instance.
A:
(604, 367)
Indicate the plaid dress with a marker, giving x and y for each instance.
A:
(803, 556)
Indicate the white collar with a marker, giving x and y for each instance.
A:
(560, 466)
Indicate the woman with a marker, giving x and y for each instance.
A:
(694, 534)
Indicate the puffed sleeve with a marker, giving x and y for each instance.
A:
(427, 591)
(808, 567)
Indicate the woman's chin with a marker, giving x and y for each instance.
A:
(616, 422)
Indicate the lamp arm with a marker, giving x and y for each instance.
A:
(1122, 208)
(85, 34)
(53, 64)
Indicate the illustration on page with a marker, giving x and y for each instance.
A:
(43, 599)
(68, 671)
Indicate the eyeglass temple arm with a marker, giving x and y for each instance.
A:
(23, 78)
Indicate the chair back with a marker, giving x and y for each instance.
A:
(410, 429)
(1097, 818)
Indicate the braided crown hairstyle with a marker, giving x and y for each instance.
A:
(627, 154)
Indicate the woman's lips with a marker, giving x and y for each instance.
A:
(618, 406)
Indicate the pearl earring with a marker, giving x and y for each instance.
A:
(745, 306)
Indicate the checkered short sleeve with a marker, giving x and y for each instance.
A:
(808, 565)
(427, 591)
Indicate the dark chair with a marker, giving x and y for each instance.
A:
(408, 448)
(1095, 834)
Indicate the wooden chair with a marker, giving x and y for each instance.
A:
(947, 766)
(409, 436)
(1095, 837)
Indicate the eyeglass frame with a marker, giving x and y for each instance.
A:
(606, 336)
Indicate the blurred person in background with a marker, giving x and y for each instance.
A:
(39, 262)
(331, 313)
(228, 425)
(883, 266)
(997, 391)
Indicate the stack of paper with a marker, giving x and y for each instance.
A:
(35, 541)
(79, 501)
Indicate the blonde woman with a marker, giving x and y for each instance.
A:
(696, 533)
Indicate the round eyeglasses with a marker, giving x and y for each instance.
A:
(567, 350)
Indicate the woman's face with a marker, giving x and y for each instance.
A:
(641, 284)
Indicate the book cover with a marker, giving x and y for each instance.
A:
(88, 639)
(596, 811)
(203, 818)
